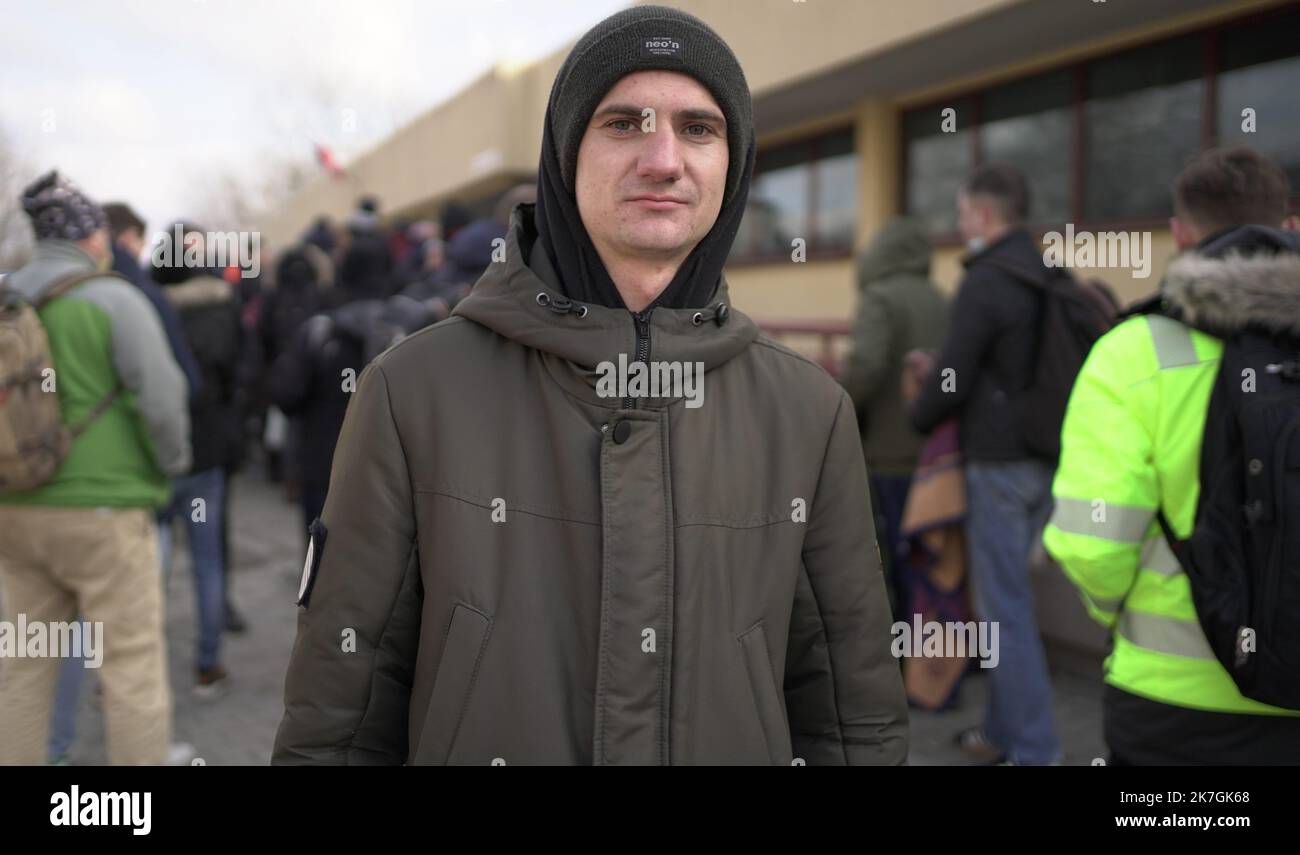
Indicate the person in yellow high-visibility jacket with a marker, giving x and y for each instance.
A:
(1130, 445)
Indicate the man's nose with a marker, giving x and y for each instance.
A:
(661, 156)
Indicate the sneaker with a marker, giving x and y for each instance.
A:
(180, 754)
(211, 682)
(976, 745)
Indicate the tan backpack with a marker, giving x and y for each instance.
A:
(33, 439)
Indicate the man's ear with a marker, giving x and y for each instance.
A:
(1183, 233)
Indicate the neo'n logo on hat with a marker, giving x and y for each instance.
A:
(662, 46)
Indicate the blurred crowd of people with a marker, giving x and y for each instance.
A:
(979, 468)
(216, 366)
(172, 376)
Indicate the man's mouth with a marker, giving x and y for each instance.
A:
(655, 202)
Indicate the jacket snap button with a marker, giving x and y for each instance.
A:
(622, 431)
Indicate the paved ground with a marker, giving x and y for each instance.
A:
(239, 727)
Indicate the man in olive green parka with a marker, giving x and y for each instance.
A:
(514, 567)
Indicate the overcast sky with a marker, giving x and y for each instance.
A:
(145, 100)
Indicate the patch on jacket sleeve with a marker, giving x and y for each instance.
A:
(315, 551)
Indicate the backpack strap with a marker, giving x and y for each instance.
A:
(99, 410)
(54, 292)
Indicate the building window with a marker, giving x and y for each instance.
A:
(1101, 141)
(806, 190)
(1030, 123)
(938, 161)
(1259, 70)
(1143, 122)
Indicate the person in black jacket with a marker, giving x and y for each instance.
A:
(982, 377)
(127, 232)
(209, 311)
(313, 378)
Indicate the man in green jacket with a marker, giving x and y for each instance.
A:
(899, 310)
(1130, 446)
(519, 565)
(85, 542)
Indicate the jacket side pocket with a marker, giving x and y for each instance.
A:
(767, 701)
(458, 666)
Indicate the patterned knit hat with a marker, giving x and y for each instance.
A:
(60, 211)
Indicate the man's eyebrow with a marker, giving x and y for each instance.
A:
(697, 114)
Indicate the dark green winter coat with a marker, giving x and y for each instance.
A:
(536, 574)
(899, 309)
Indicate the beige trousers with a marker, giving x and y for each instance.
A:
(100, 564)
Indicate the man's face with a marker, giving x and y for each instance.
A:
(656, 194)
(973, 213)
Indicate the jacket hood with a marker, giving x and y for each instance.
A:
(199, 291)
(1249, 277)
(900, 247)
(52, 260)
(512, 300)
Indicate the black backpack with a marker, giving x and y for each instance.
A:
(1243, 556)
(1075, 314)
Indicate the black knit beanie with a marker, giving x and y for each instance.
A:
(642, 38)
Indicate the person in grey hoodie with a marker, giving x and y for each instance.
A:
(85, 543)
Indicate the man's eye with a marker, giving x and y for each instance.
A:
(704, 130)
(630, 125)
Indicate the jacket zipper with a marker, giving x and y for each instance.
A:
(642, 322)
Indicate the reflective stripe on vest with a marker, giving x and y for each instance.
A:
(1158, 557)
(1165, 635)
(1120, 523)
(1173, 341)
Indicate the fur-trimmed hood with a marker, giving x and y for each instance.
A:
(199, 291)
(1249, 277)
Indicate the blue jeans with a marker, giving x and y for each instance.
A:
(889, 500)
(206, 550)
(1007, 506)
(67, 700)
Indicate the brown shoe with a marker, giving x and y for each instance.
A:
(211, 682)
(975, 744)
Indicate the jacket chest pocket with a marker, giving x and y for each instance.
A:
(462, 651)
(767, 699)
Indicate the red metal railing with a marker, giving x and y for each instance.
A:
(824, 331)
